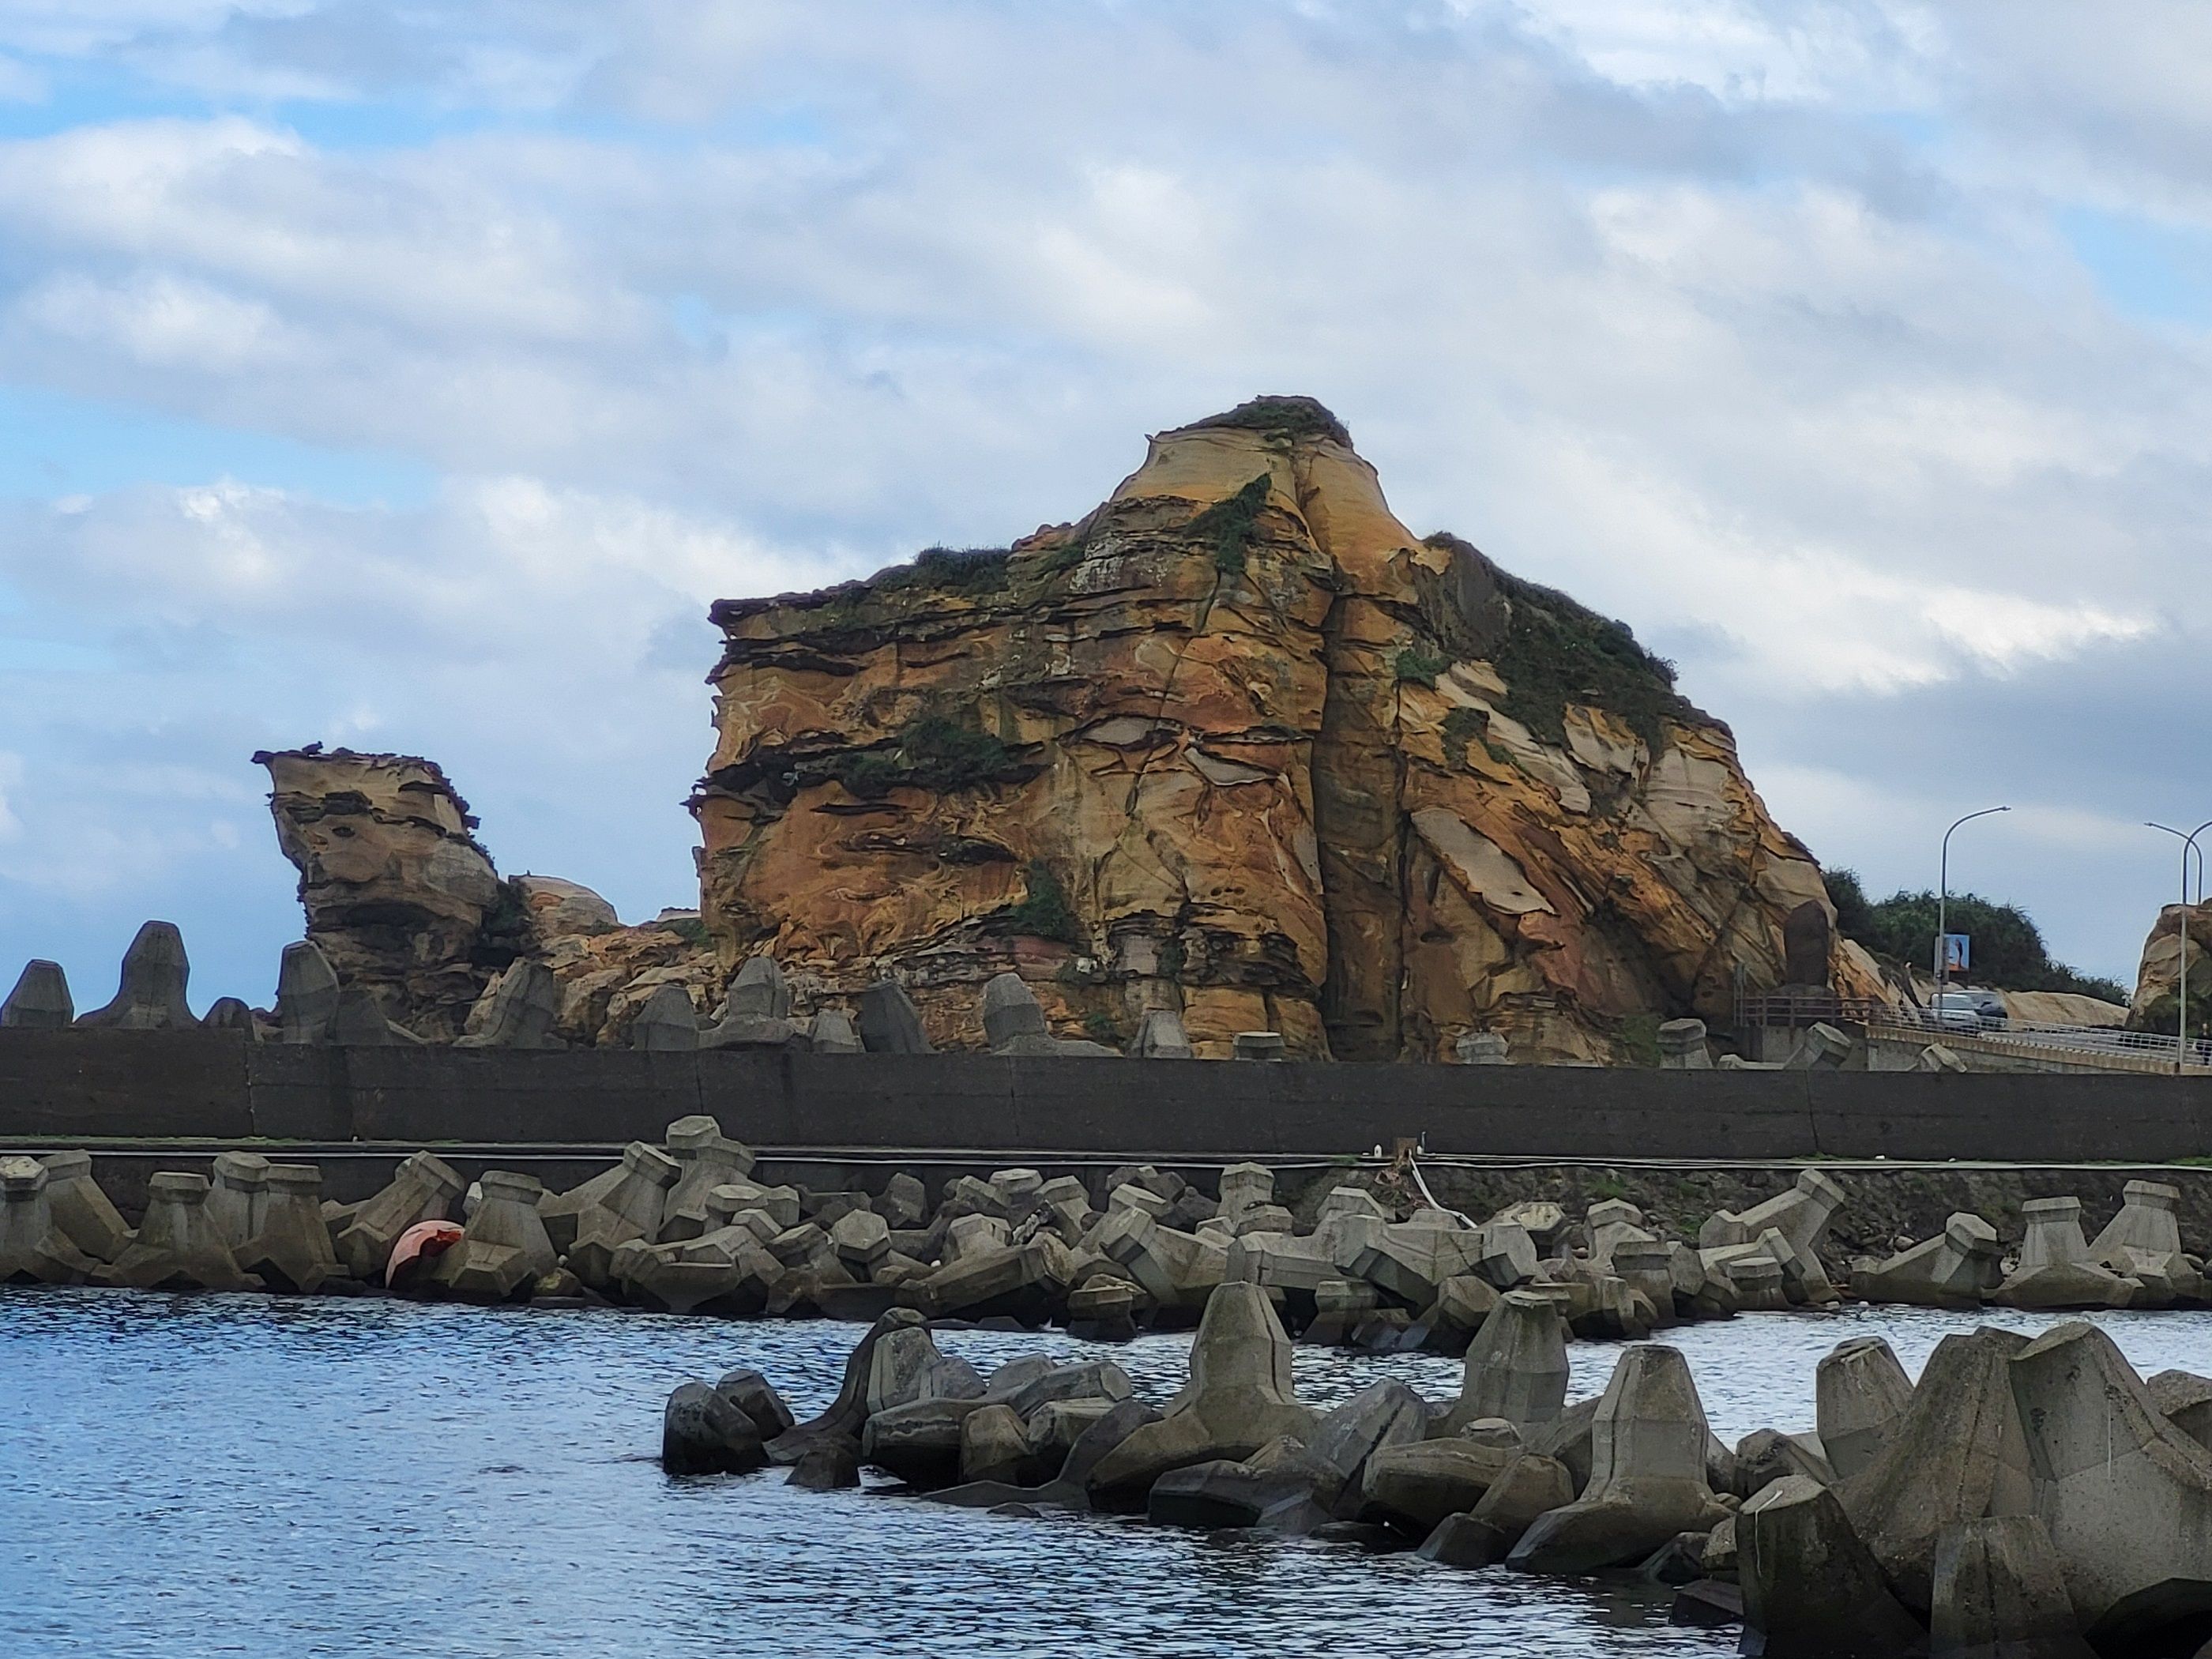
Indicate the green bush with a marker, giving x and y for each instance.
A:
(1044, 911)
(932, 752)
(1636, 1042)
(971, 570)
(1291, 417)
(1555, 651)
(1229, 524)
(2009, 952)
(1100, 1028)
(1414, 663)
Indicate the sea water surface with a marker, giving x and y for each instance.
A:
(257, 1475)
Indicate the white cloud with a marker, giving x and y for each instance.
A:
(1748, 322)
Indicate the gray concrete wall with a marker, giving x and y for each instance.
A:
(91, 1084)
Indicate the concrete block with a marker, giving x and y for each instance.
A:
(2125, 1496)
(890, 1023)
(179, 1247)
(1160, 1035)
(307, 994)
(516, 1011)
(1957, 1454)
(1239, 1397)
(2000, 1592)
(1862, 1394)
(1516, 1366)
(667, 1022)
(151, 997)
(40, 1000)
(504, 1250)
(84, 1213)
(424, 1187)
(1810, 1587)
(34, 1250)
(238, 1195)
(1957, 1268)
(706, 1160)
(1648, 1473)
(1682, 1046)
(290, 1250)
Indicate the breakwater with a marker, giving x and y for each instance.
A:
(78, 1085)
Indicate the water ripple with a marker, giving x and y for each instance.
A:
(276, 1477)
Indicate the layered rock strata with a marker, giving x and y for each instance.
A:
(1239, 744)
(405, 904)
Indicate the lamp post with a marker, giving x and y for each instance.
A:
(2181, 982)
(2183, 835)
(1943, 903)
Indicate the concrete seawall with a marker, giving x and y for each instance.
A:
(99, 1085)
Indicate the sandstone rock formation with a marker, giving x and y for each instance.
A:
(406, 905)
(400, 897)
(2158, 975)
(1237, 743)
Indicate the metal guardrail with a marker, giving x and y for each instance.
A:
(1796, 1009)
(1931, 1026)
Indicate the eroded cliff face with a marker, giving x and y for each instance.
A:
(1239, 743)
(403, 900)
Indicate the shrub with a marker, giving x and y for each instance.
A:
(1100, 1028)
(1229, 524)
(1637, 1043)
(971, 570)
(932, 752)
(1462, 725)
(2009, 952)
(1556, 652)
(1044, 911)
(1414, 663)
(1292, 417)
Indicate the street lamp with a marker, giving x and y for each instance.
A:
(2181, 984)
(2183, 835)
(1943, 902)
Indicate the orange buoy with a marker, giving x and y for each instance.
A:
(419, 1245)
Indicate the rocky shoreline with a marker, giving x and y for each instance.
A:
(2029, 1498)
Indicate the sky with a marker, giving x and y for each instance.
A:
(411, 376)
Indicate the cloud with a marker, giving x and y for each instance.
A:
(1759, 325)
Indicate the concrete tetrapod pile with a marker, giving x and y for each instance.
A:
(684, 1228)
(2028, 1500)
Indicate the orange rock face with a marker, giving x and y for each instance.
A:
(1240, 744)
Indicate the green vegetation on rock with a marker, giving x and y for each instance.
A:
(1556, 652)
(1412, 663)
(1044, 911)
(975, 571)
(932, 752)
(1461, 726)
(2009, 952)
(1636, 1042)
(1291, 417)
(1229, 524)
